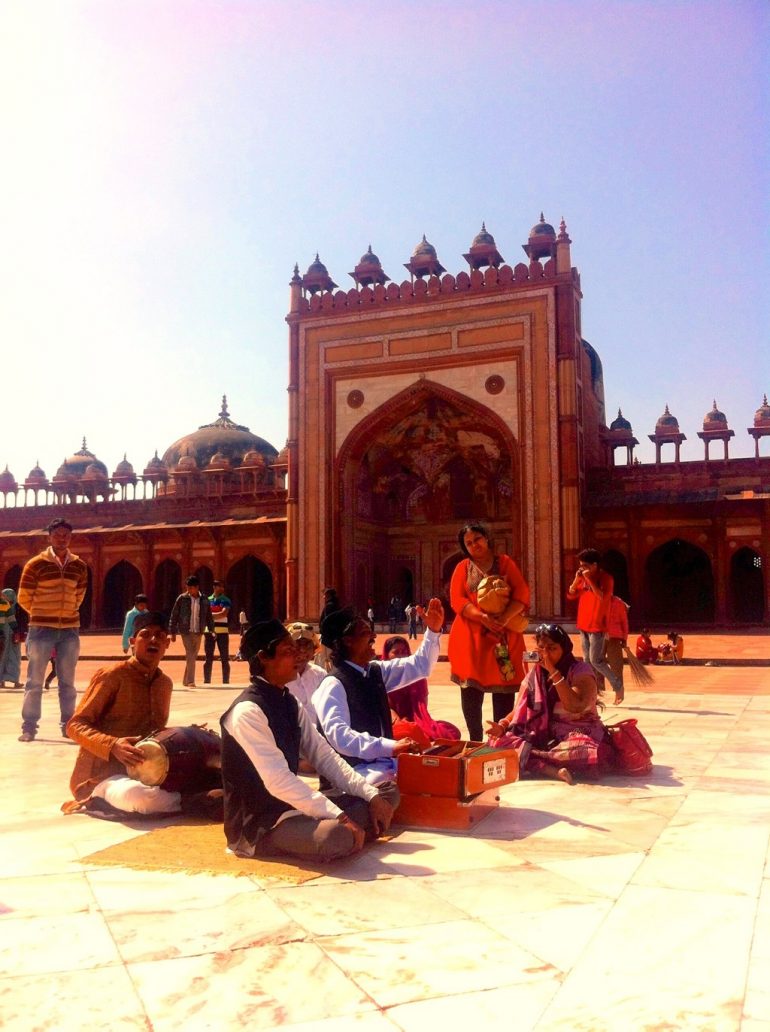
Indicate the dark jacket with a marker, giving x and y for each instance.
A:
(367, 702)
(179, 621)
(250, 810)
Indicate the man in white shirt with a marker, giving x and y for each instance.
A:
(309, 674)
(352, 703)
(269, 810)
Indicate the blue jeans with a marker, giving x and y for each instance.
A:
(594, 648)
(40, 642)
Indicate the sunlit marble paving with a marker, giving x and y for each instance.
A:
(623, 905)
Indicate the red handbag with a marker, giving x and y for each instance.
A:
(630, 749)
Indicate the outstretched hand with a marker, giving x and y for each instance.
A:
(433, 616)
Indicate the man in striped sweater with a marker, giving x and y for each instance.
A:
(52, 588)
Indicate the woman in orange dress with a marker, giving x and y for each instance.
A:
(485, 655)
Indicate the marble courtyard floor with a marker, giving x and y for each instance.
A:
(631, 904)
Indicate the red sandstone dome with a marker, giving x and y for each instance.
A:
(620, 423)
(762, 415)
(667, 424)
(542, 228)
(715, 420)
(223, 438)
(7, 481)
(156, 469)
(36, 477)
(483, 250)
(77, 464)
(369, 270)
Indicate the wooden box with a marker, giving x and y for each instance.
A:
(456, 770)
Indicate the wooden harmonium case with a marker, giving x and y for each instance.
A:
(456, 770)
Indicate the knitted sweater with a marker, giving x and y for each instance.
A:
(52, 594)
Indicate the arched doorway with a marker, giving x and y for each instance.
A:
(747, 587)
(409, 475)
(447, 570)
(122, 583)
(615, 564)
(679, 585)
(206, 578)
(167, 585)
(12, 578)
(250, 586)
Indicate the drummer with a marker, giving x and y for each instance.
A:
(122, 705)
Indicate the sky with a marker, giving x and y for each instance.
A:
(166, 163)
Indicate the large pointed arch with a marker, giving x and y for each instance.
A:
(408, 476)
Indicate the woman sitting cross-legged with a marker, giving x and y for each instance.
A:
(555, 725)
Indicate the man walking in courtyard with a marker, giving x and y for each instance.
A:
(220, 606)
(52, 588)
(191, 616)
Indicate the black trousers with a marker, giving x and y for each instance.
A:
(472, 700)
(222, 642)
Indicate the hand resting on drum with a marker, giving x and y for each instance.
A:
(124, 750)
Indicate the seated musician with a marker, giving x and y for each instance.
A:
(122, 705)
(352, 702)
(269, 810)
(309, 674)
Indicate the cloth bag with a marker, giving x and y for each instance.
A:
(631, 752)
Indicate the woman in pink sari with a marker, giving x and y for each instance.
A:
(410, 703)
(555, 725)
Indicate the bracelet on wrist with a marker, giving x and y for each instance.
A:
(554, 683)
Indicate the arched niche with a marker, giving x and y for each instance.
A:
(747, 587)
(122, 582)
(250, 586)
(206, 578)
(679, 585)
(410, 474)
(167, 585)
(615, 564)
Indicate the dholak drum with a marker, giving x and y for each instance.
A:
(179, 759)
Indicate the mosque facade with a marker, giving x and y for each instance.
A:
(416, 407)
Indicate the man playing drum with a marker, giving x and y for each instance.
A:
(122, 705)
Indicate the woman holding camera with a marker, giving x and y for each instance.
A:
(486, 645)
(555, 725)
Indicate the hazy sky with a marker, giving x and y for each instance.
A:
(166, 163)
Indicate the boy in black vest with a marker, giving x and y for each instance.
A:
(352, 702)
(268, 809)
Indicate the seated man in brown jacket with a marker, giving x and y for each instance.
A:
(122, 705)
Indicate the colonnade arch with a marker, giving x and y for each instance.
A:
(747, 586)
(249, 583)
(121, 583)
(678, 585)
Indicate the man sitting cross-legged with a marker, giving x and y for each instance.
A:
(352, 702)
(122, 705)
(269, 810)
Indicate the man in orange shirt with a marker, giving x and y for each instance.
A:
(592, 587)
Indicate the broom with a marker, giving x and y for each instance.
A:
(641, 675)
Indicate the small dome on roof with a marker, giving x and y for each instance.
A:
(77, 464)
(483, 238)
(762, 415)
(124, 468)
(543, 228)
(7, 481)
(370, 258)
(36, 477)
(253, 458)
(186, 464)
(317, 267)
(620, 423)
(95, 471)
(64, 472)
(283, 456)
(715, 420)
(667, 424)
(424, 249)
(156, 469)
(219, 461)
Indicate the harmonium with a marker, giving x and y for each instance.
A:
(453, 784)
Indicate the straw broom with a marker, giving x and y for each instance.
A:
(641, 675)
